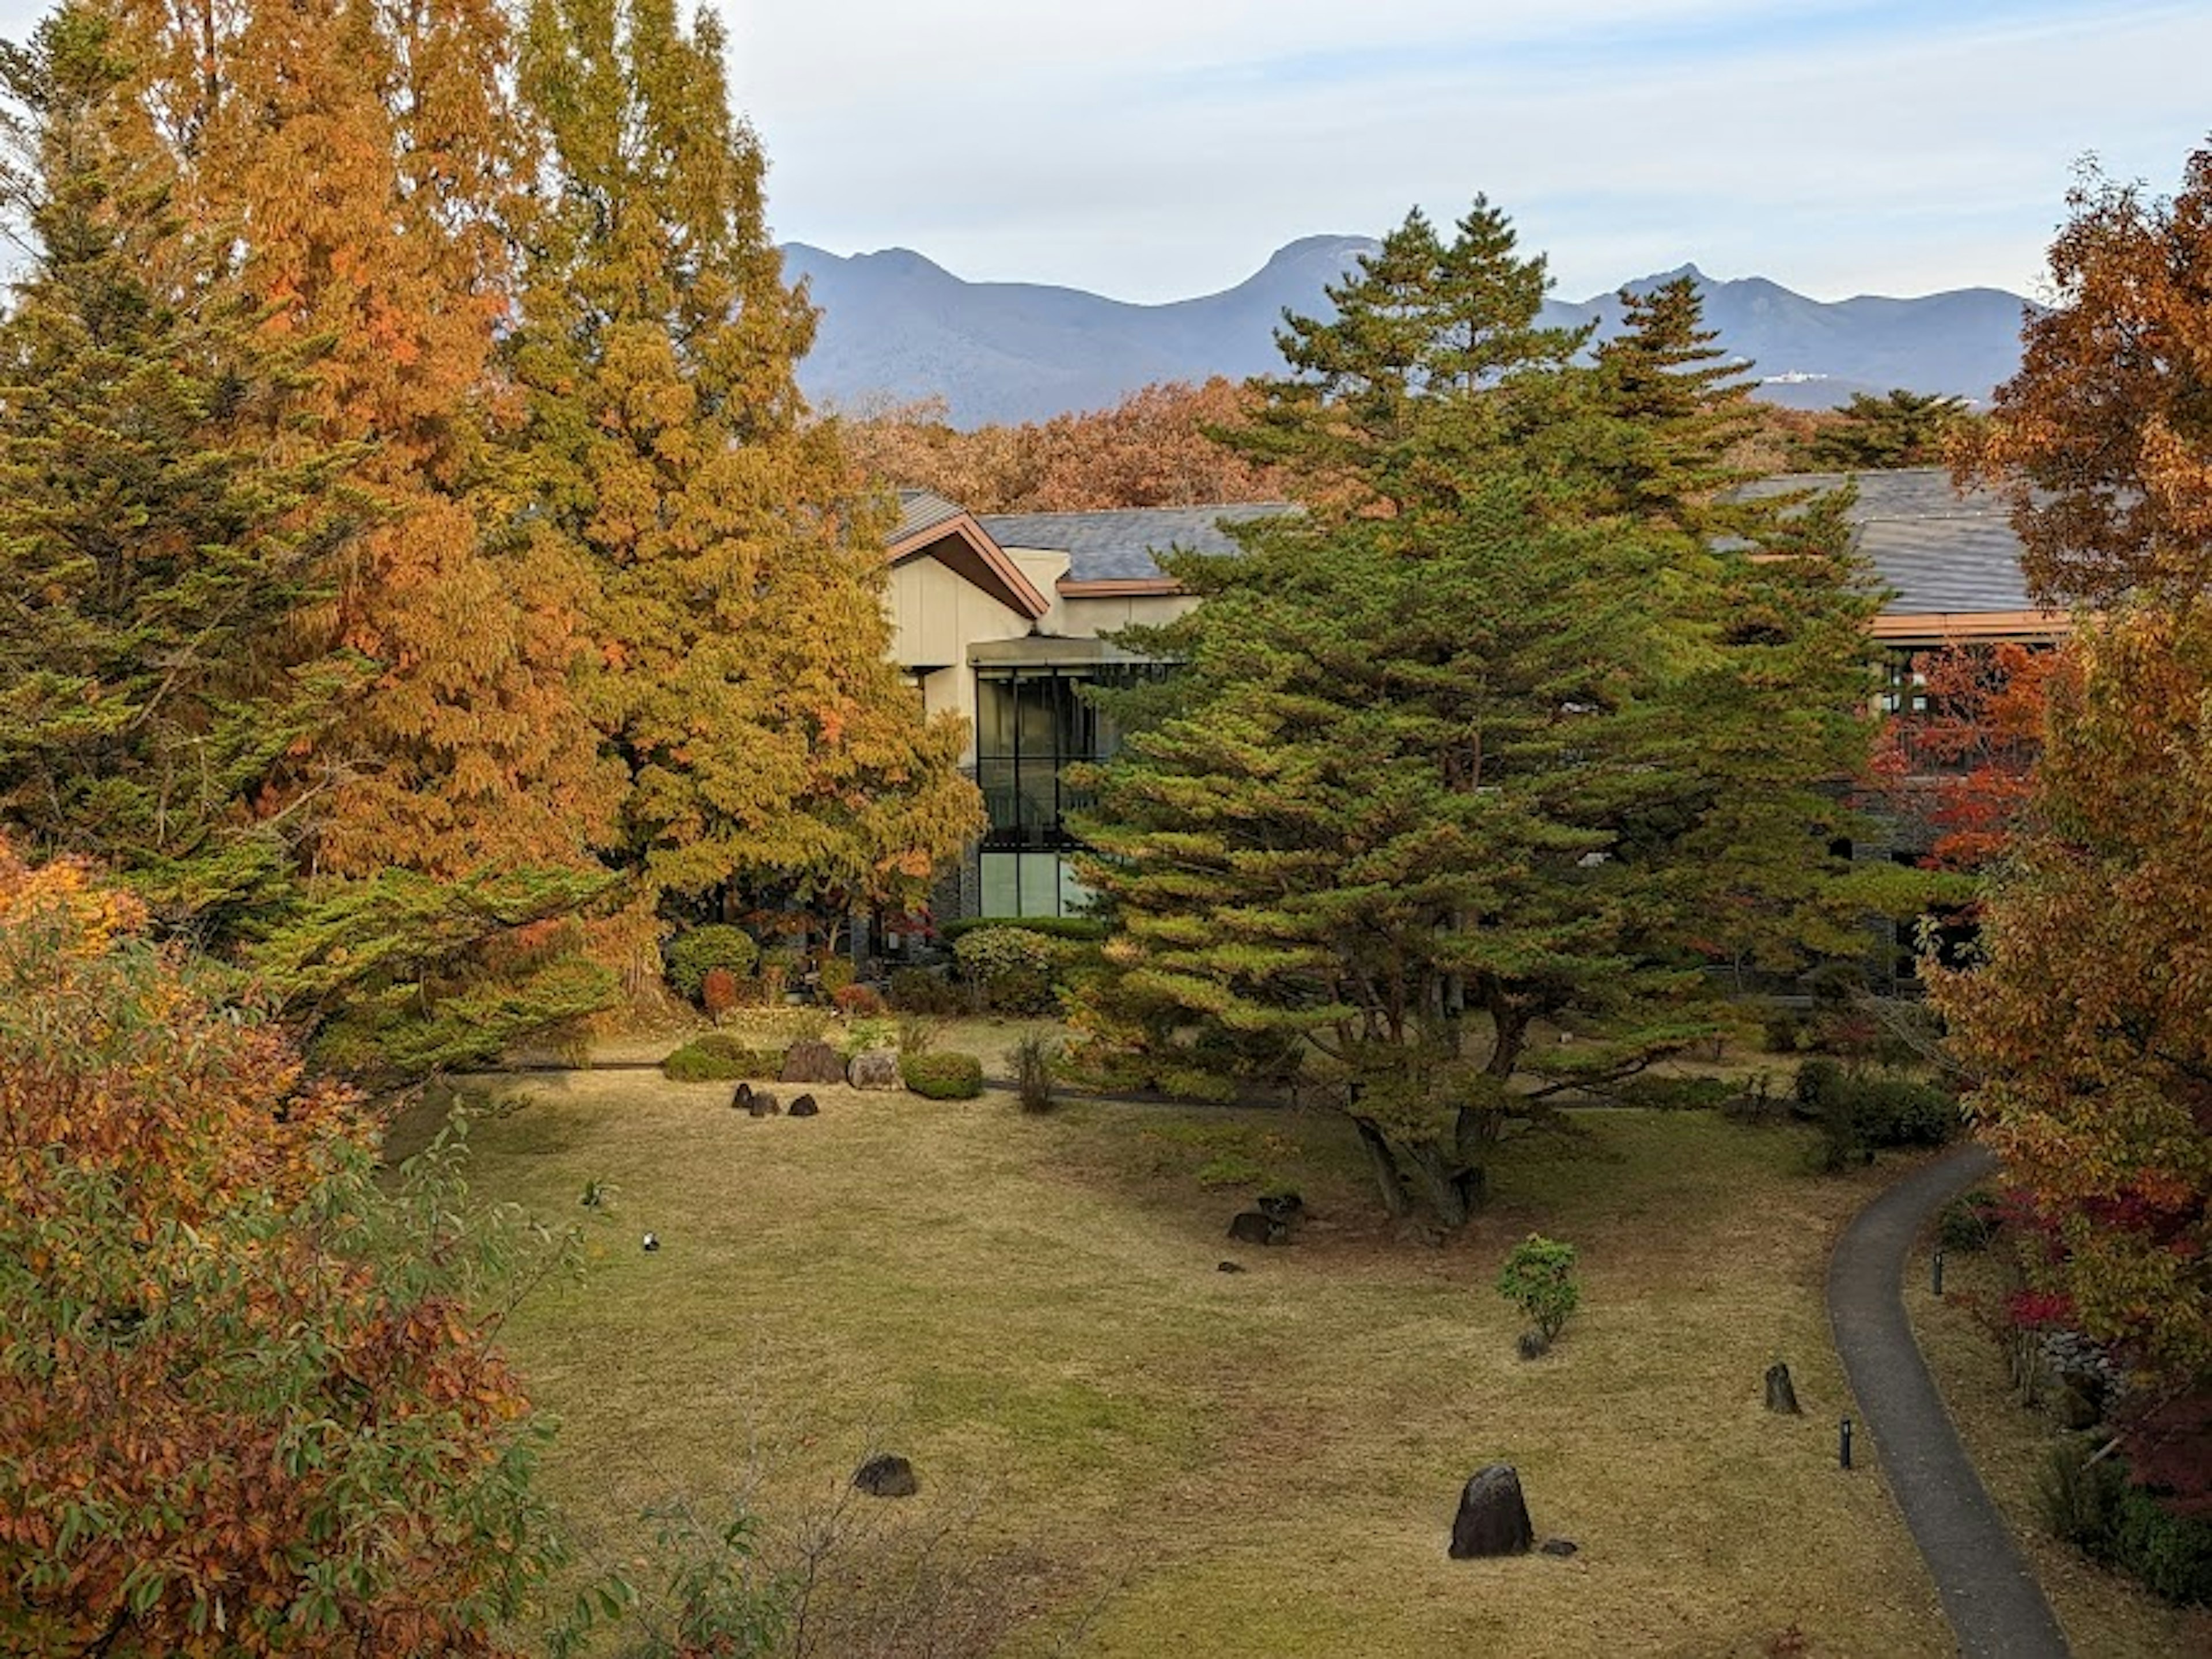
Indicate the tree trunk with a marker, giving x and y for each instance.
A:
(1384, 1163)
(1446, 1187)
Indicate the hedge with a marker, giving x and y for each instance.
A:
(942, 1075)
(1087, 930)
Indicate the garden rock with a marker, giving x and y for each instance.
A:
(1781, 1394)
(742, 1099)
(1229, 1267)
(887, 1475)
(806, 1106)
(812, 1061)
(1285, 1207)
(1559, 1546)
(1532, 1345)
(764, 1104)
(875, 1069)
(1493, 1516)
(1252, 1227)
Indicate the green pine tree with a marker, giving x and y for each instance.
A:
(1456, 760)
(167, 518)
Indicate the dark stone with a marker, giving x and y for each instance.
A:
(1251, 1227)
(1559, 1546)
(1781, 1394)
(764, 1104)
(887, 1475)
(1493, 1516)
(806, 1106)
(1532, 1344)
(1229, 1267)
(1285, 1207)
(742, 1099)
(875, 1069)
(812, 1061)
(651, 1243)
(2079, 1405)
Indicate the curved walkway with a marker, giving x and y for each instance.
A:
(1989, 1591)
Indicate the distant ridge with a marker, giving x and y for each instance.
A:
(896, 327)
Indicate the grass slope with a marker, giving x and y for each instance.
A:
(1126, 1451)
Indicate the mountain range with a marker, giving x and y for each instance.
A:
(898, 328)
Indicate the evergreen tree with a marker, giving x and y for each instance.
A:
(1462, 751)
(168, 519)
(1897, 429)
(738, 670)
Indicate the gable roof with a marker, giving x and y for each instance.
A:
(932, 527)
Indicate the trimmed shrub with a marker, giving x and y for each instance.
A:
(1012, 969)
(767, 1062)
(1970, 1221)
(1539, 1278)
(1860, 1112)
(692, 954)
(692, 1064)
(918, 991)
(2098, 1510)
(834, 974)
(1087, 930)
(944, 1075)
(718, 993)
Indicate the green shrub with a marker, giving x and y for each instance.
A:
(1225, 1169)
(1539, 1278)
(692, 1064)
(834, 974)
(1970, 1221)
(692, 953)
(944, 1075)
(1012, 967)
(1034, 1056)
(1674, 1094)
(865, 1033)
(1859, 1112)
(918, 991)
(726, 1050)
(1082, 929)
(2096, 1509)
(1782, 1031)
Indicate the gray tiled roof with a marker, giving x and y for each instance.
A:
(1941, 552)
(1118, 546)
(918, 509)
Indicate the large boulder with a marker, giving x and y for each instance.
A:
(806, 1106)
(875, 1069)
(1255, 1227)
(1493, 1516)
(764, 1104)
(812, 1061)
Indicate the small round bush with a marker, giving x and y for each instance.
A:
(834, 974)
(1011, 966)
(693, 1064)
(943, 1075)
(693, 953)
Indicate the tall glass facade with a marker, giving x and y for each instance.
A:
(1032, 723)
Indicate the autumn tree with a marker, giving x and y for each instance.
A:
(166, 522)
(1154, 448)
(1445, 763)
(2085, 1027)
(248, 1396)
(370, 168)
(739, 668)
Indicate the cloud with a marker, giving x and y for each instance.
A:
(1154, 150)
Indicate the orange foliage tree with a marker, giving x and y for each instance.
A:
(1154, 448)
(246, 1403)
(2088, 1029)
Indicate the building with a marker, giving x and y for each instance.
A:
(1000, 618)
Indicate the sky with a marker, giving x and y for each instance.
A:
(1157, 149)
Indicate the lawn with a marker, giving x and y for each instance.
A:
(1124, 1450)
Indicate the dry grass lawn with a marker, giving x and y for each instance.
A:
(1126, 1451)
